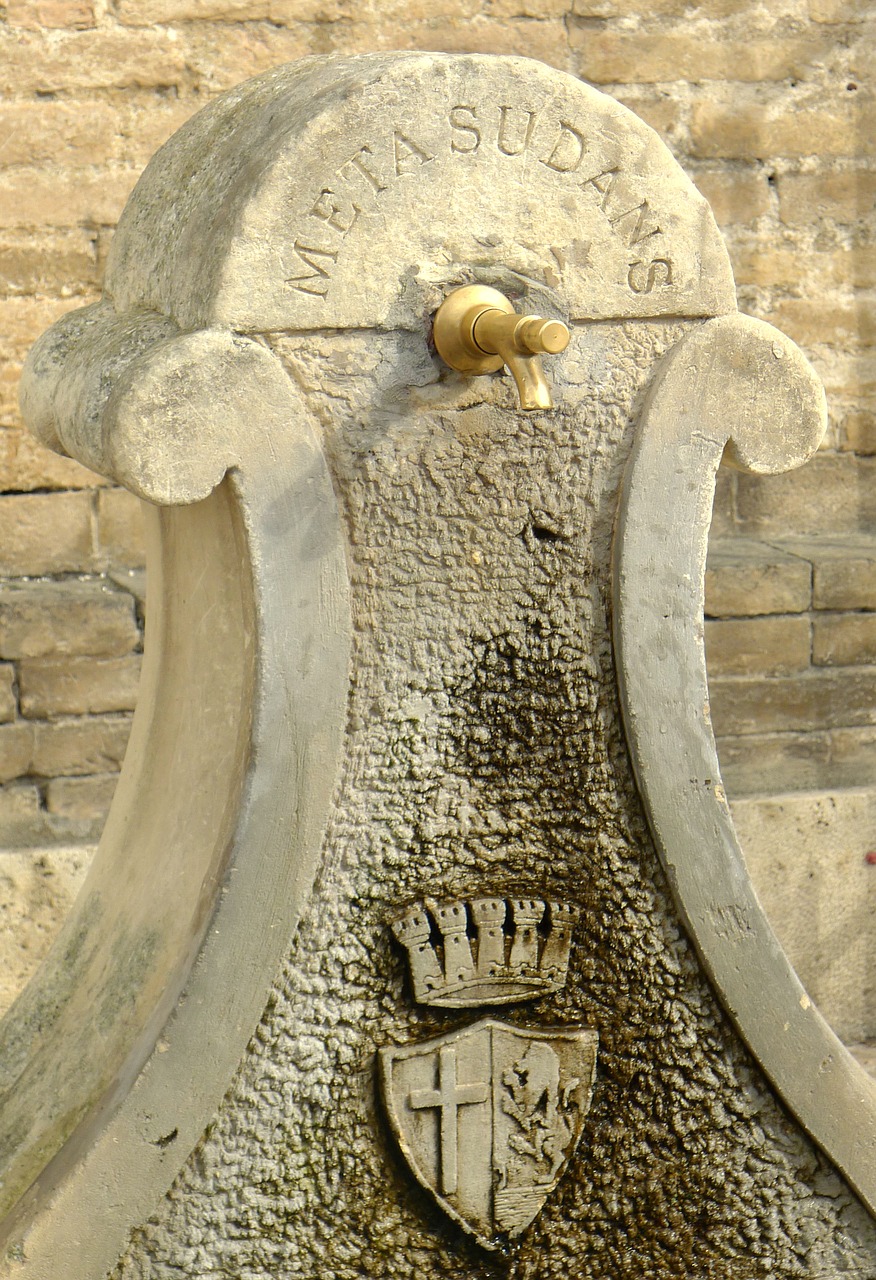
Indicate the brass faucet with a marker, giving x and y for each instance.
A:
(478, 331)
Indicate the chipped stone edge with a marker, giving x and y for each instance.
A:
(231, 409)
(740, 389)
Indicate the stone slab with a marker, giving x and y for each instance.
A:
(807, 854)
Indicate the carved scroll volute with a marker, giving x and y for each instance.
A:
(735, 389)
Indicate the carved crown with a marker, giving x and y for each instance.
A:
(486, 950)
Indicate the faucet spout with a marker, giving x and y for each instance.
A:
(520, 340)
(476, 330)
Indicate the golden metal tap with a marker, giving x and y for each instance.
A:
(478, 331)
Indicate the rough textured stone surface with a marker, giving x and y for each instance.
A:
(36, 891)
(495, 753)
(485, 749)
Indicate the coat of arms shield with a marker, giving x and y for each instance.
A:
(488, 1117)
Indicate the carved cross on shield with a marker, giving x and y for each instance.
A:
(489, 1116)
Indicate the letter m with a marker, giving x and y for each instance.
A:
(317, 282)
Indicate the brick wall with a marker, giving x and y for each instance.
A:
(769, 108)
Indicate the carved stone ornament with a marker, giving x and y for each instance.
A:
(414, 636)
(489, 1116)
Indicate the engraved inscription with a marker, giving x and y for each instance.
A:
(556, 143)
(644, 277)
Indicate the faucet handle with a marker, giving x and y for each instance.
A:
(477, 330)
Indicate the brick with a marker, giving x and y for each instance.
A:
(91, 744)
(64, 133)
(610, 56)
(22, 320)
(844, 640)
(848, 374)
(78, 686)
(770, 763)
(678, 8)
(69, 198)
(109, 58)
(663, 112)
(761, 263)
(25, 465)
(220, 56)
(837, 11)
(858, 431)
(23, 821)
(852, 761)
(16, 750)
(830, 495)
(121, 532)
(844, 576)
(81, 800)
(323, 12)
(735, 197)
(66, 618)
(818, 699)
(842, 322)
(45, 533)
(149, 124)
(812, 126)
(56, 263)
(34, 15)
(746, 579)
(844, 197)
(766, 646)
(8, 700)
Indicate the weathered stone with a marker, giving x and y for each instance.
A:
(735, 197)
(54, 263)
(610, 56)
(808, 858)
(23, 820)
(120, 532)
(26, 465)
(834, 495)
(818, 699)
(45, 533)
(844, 197)
(89, 60)
(78, 686)
(29, 197)
(8, 701)
(83, 801)
(37, 889)
(58, 132)
(34, 15)
(95, 744)
(859, 431)
(763, 646)
(772, 763)
(844, 574)
(58, 618)
(732, 125)
(16, 750)
(844, 640)
(745, 578)
(384, 675)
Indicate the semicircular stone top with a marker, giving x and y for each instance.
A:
(345, 192)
